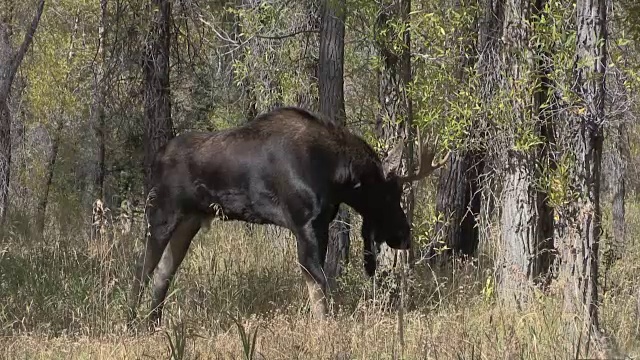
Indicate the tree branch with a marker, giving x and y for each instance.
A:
(284, 36)
(28, 38)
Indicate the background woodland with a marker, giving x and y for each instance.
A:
(525, 243)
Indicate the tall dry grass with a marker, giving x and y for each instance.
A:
(239, 295)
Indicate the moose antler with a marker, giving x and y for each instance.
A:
(425, 161)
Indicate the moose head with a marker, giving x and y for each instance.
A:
(385, 220)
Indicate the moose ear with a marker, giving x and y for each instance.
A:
(393, 160)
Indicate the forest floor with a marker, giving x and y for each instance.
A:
(65, 298)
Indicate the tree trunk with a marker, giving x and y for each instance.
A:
(489, 48)
(331, 105)
(458, 201)
(524, 258)
(41, 210)
(95, 178)
(525, 221)
(10, 60)
(619, 186)
(5, 157)
(99, 92)
(157, 95)
(458, 197)
(580, 218)
(395, 118)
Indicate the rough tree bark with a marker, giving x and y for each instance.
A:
(394, 121)
(489, 47)
(331, 105)
(580, 218)
(458, 201)
(526, 218)
(157, 95)
(10, 60)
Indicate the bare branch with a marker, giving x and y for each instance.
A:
(28, 38)
(284, 36)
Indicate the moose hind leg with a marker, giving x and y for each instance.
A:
(171, 260)
(312, 248)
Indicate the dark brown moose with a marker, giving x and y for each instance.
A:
(286, 167)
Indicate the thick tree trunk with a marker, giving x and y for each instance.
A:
(157, 96)
(10, 60)
(581, 218)
(489, 48)
(458, 201)
(331, 105)
(524, 257)
(524, 253)
(395, 118)
(458, 197)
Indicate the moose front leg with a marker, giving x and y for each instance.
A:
(312, 249)
(169, 264)
(371, 249)
(162, 228)
(370, 255)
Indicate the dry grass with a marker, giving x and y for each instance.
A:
(65, 297)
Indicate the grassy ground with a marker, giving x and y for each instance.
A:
(64, 298)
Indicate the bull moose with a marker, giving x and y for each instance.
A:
(287, 167)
